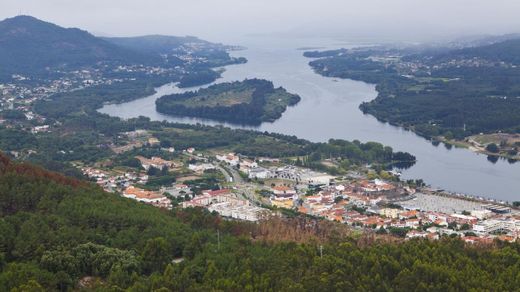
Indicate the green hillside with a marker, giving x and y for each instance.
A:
(31, 46)
(450, 93)
(61, 234)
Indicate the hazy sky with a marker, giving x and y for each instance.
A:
(229, 19)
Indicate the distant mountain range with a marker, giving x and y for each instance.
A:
(29, 46)
(505, 50)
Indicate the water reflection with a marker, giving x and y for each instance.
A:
(492, 158)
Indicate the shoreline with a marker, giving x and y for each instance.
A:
(470, 198)
(476, 149)
(452, 142)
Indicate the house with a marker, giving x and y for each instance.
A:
(287, 204)
(462, 219)
(412, 223)
(227, 205)
(435, 216)
(247, 165)
(482, 214)
(200, 168)
(136, 133)
(416, 234)
(408, 214)
(209, 197)
(389, 212)
(40, 129)
(148, 197)
(240, 209)
(178, 190)
(153, 141)
(229, 158)
(283, 193)
(316, 178)
(155, 162)
(169, 149)
(260, 173)
(440, 222)
(493, 225)
(374, 221)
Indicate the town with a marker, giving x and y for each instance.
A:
(251, 188)
(19, 95)
(255, 188)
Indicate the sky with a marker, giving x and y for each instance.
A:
(221, 20)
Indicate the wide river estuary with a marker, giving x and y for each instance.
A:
(329, 109)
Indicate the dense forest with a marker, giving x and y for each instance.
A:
(451, 93)
(251, 101)
(60, 234)
(37, 46)
(197, 78)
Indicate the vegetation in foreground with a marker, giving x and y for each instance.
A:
(60, 234)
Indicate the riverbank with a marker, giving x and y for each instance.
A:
(479, 143)
(507, 143)
(329, 109)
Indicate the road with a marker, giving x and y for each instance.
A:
(229, 178)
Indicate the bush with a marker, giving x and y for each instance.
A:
(493, 148)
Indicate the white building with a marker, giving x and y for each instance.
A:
(229, 158)
(147, 197)
(260, 173)
(242, 210)
(201, 167)
(247, 165)
(492, 225)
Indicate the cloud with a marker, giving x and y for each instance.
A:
(230, 19)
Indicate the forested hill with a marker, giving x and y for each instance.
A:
(34, 48)
(447, 94)
(29, 45)
(169, 47)
(507, 51)
(156, 45)
(60, 234)
(251, 101)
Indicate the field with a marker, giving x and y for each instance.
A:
(498, 138)
(226, 98)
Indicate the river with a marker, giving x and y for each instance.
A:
(329, 109)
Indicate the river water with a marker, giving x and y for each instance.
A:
(329, 109)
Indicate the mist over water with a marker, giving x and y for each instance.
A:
(226, 20)
(329, 109)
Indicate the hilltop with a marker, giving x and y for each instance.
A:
(29, 45)
(34, 48)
